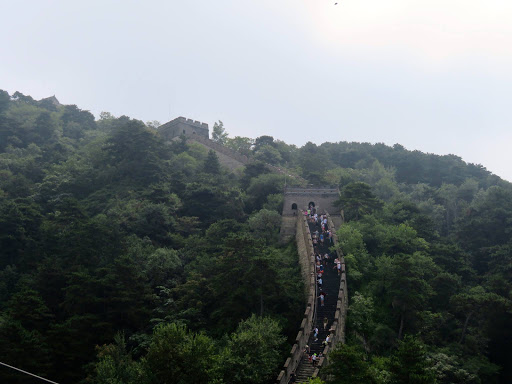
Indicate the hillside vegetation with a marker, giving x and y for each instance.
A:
(124, 259)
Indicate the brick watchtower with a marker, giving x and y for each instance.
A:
(183, 126)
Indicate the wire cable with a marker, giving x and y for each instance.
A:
(28, 373)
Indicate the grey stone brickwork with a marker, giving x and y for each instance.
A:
(307, 264)
(227, 157)
(183, 126)
(297, 199)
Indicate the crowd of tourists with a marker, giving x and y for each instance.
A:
(322, 238)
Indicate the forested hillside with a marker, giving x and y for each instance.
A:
(124, 259)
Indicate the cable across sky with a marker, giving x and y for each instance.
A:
(28, 373)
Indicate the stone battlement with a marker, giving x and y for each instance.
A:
(312, 191)
(183, 126)
(189, 122)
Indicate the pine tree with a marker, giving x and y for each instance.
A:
(211, 163)
(410, 365)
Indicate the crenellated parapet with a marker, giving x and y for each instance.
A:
(183, 126)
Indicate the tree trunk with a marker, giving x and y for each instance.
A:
(400, 331)
(365, 345)
(465, 327)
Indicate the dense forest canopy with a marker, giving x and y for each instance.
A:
(126, 259)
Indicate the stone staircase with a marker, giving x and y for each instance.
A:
(331, 286)
(305, 370)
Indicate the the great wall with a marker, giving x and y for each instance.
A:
(197, 132)
(335, 309)
(294, 224)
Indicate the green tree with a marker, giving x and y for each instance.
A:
(154, 124)
(360, 317)
(357, 199)
(5, 99)
(27, 307)
(136, 153)
(487, 222)
(177, 356)
(263, 141)
(211, 203)
(313, 161)
(115, 365)
(410, 365)
(477, 302)
(44, 130)
(348, 365)
(251, 171)
(265, 225)
(24, 348)
(211, 163)
(240, 144)
(404, 280)
(162, 266)
(261, 187)
(253, 354)
(243, 281)
(268, 154)
(219, 133)
(450, 370)
(274, 202)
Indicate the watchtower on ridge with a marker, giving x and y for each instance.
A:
(183, 126)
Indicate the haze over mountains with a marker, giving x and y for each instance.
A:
(124, 256)
(430, 75)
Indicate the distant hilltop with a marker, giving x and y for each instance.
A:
(51, 101)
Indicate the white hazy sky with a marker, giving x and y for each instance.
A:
(431, 75)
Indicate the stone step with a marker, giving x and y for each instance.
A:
(331, 284)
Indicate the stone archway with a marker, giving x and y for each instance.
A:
(294, 206)
(321, 198)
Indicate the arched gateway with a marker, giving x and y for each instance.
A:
(297, 200)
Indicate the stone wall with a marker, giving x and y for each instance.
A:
(231, 161)
(307, 264)
(198, 132)
(288, 226)
(340, 317)
(183, 126)
(299, 199)
(234, 158)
